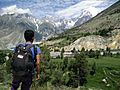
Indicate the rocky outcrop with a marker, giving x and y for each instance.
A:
(89, 42)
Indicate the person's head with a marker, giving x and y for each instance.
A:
(29, 35)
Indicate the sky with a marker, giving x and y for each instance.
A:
(64, 8)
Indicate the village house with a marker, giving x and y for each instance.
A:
(58, 54)
(68, 54)
(55, 54)
(112, 51)
(115, 51)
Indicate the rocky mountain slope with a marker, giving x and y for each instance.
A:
(99, 32)
(89, 42)
(12, 28)
(12, 25)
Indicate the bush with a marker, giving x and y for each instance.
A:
(2, 57)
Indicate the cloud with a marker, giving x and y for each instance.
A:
(14, 10)
(92, 6)
(65, 8)
(75, 9)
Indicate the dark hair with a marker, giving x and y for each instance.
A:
(29, 35)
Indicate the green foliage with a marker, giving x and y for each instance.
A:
(83, 49)
(2, 57)
(74, 50)
(56, 77)
(91, 53)
(65, 78)
(93, 69)
(86, 34)
(8, 66)
(71, 72)
(104, 32)
(45, 53)
(1, 74)
(110, 63)
(107, 52)
(65, 64)
(62, 51)
(81, 67)
(97, 54)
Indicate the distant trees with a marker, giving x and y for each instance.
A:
(83, 49)
(107, 50)
(91, 53)
(73, 50)
(104, 32)
(97, 54)
(62, 51)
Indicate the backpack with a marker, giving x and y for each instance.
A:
(22, 62)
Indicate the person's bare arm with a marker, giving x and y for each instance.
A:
(38, 57)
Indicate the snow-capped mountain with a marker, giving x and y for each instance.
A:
(64, 18)
(64, 13)
(81, 12)
(46, 17)
(69, 21)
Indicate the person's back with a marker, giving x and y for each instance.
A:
(26, 78)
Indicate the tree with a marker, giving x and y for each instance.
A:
(2, 57)
(65, 63)
(92, 72)
(91, 53)
(83, 49)
(74, 50)
(45, 53)
(97, 53)
(108, 51)
(62, 51)
(56, 77)
(81, 65)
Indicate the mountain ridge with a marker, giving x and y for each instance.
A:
(103, 24)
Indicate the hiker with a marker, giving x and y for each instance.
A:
(25, 60)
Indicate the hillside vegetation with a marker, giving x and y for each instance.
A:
(106, 24)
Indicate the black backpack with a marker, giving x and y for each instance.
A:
(22, 62)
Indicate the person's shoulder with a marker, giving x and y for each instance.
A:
(38, 49)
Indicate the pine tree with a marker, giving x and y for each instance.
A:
(62, 51)
(81, 67)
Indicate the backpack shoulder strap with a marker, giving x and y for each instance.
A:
(28, 46)
(35, 53)
(35, 50)
(18, 47)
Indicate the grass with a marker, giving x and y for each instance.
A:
(95, 82)
(101, 63)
